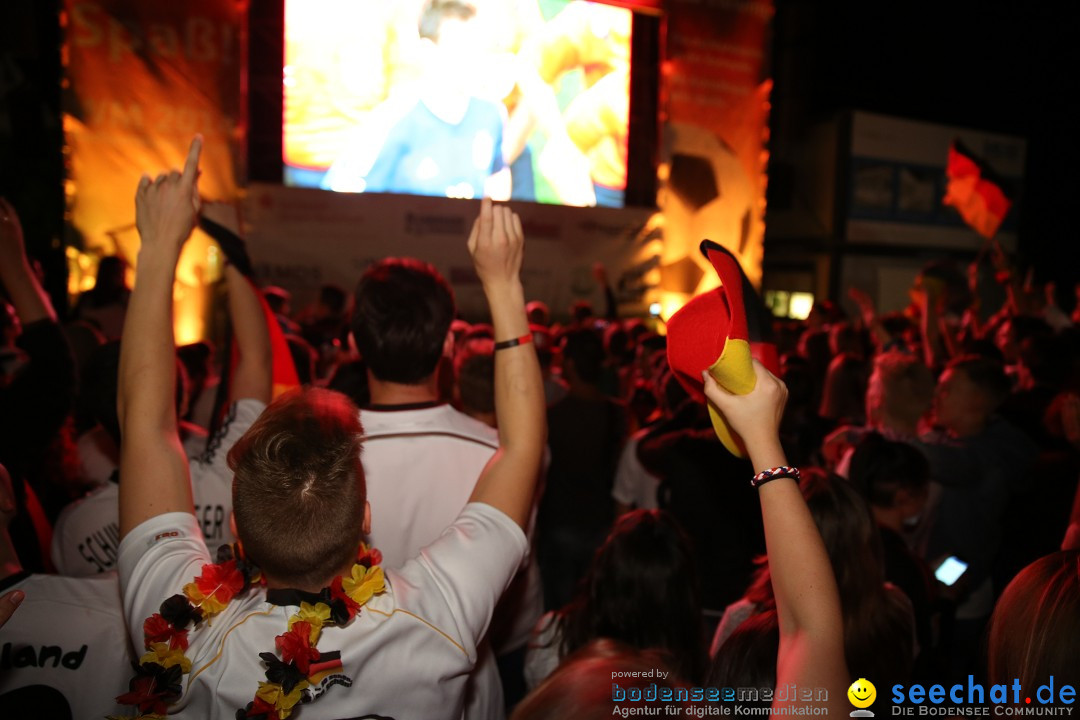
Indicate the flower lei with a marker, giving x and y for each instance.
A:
(158, 674)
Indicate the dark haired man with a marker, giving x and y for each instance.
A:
(303, 528)
(421, 456)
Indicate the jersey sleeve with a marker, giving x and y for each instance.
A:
(157, 559)
(468, 568)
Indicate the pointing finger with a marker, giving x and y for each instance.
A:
(191, 166)
(486, 221)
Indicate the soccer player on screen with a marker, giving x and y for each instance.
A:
(584, 153)
(450, 142)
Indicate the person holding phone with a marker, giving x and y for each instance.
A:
(894, 477)
(980, 463)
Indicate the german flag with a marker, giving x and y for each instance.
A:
(978, 199)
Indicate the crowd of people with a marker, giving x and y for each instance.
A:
(483, 520)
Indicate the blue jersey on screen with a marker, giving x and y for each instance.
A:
(425, 155)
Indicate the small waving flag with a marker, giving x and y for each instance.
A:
(979, 200)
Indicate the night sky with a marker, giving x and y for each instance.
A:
(1000, 66)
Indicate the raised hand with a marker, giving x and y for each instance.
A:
(496, 244)
(26, 294)
(756, 415)
(861, 298)
(11, 235)
(167, 209)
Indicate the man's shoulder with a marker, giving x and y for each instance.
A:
(482, 547)
(97, 595)
(441, 421)
(97, 506)
(86, 535)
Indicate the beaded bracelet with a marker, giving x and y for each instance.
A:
(514, 342)
(774, 474)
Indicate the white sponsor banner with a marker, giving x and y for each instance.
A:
(300, 239)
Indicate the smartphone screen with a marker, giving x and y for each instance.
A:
(950, 570)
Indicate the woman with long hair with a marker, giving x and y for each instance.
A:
(642, 590)
(879, 625)
(1035, 627)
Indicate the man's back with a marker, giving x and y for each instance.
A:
(407, 654)
(421, 464)
(67, 641)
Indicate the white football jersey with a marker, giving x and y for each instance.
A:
(87, 532)
(407, 654)
(65, 644)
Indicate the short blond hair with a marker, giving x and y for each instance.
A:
(299, 490)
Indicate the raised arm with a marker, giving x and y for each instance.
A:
(507, 483)
(868, 313)
(47, 381)
(29, 298)
(153, 467)
(807, 602)
(253, 376)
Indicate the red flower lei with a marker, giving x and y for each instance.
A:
(158, 681)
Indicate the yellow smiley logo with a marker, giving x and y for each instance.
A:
(862, 693)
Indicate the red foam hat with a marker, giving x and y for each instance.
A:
(721, 331)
